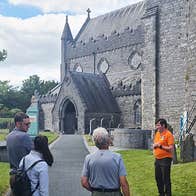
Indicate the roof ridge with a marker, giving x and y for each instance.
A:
(118, 10)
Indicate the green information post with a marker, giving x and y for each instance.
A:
(33, 113)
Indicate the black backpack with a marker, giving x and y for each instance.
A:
(21, 184)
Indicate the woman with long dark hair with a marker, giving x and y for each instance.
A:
(38, 175)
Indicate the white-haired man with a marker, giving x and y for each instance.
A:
(104, 172)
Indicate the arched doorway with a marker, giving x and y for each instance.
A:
(69, 119)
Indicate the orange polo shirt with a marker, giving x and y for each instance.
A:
(165, 139)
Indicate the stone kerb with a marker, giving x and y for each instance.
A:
(131, 138)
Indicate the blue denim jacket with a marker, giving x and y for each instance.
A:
(39, 173)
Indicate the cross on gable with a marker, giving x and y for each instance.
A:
(88, 11)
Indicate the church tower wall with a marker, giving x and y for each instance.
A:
(191, 68)
(172, 60)
(167, 38)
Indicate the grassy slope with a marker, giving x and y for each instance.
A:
(50, 135)
(140, 169)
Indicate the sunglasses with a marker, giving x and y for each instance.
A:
(27, 124)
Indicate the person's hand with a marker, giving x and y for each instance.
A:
(156, 145)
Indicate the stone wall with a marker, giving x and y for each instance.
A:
(191, 68)
(149, 73)
(101, 44)
(163, 78)
(172, 61)
(131, 138)
(47, 117)
(119, 69)
(126, 104)
(3, 152)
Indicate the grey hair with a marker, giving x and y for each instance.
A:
(101, 137)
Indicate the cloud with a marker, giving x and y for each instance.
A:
(75, 6)
(33, 43)
(16, 74)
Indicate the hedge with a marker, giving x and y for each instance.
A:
(5, 122)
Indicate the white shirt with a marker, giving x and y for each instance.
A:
(39, 173)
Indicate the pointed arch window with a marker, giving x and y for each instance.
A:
(137, 112)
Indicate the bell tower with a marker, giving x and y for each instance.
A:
(65, 38)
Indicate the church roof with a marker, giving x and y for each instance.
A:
(116, 21)
(95, 92)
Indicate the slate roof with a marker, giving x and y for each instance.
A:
(95, 92)
(55, 90)
(118, 21)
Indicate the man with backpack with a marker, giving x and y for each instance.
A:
(19, 142)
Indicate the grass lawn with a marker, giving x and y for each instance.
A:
(50, 135)
(3, 133)
(140, 168)
(2, 136)
(4, 177)
(89, 140)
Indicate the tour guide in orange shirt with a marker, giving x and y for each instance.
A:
(163, 147)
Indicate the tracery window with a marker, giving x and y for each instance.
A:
(103, 66)
(134, 60)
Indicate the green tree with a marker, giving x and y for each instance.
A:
(13, 99)
(34, 83)
(47, 86)
(3, 55)
(9, 99)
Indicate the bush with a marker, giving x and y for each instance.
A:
(8, 113)
(6, 122)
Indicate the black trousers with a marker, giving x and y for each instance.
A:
(162, 176)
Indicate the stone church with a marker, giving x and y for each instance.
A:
(125, 69)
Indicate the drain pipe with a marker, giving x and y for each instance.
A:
(90, 133)
(102, 121)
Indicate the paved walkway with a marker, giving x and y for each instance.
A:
(69, 152)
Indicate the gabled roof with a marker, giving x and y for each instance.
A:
(118, 21)
(95, 92)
